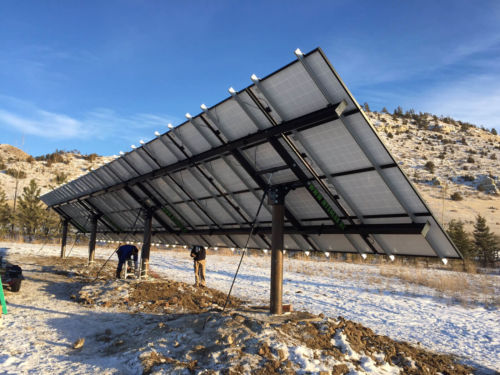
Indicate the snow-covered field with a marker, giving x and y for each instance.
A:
(412, 313)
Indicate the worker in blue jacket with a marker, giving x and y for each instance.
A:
(125, 253)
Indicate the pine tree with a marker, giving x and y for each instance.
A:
(30, 213)
(460, 238)
(398, 111)
(51, 225)
(366, 107)
(5, 214)
(484, 242)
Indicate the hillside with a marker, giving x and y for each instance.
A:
(48, 172)
(441, 156)
(460, 158)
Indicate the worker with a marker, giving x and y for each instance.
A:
(125, 253)
(198, 254)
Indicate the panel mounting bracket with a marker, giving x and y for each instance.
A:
(277, 193)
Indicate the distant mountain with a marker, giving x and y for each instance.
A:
(455, 165)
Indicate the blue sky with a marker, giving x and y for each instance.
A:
(97, 76)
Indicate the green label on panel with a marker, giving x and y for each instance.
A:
(174, 219)
(328, 209)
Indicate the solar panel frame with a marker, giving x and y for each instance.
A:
(236, 177)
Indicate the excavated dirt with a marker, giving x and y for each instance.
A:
(317, 335)
(166, 294)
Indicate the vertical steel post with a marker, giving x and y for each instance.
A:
(146, 243)
(277, 259)
(64, 237)
(93, 237)
(277, 200)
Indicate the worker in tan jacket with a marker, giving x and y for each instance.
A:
(198, 254)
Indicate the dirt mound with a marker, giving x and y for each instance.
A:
(166, 295)
(158, 296)
(10, 152)
(342, 338)
(252, 342)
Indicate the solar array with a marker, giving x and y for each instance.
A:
(298, 131)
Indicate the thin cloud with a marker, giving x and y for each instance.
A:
(362, 64)
(99, 124)
(43, 124)
(475, 99)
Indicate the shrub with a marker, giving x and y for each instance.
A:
(468, 177)
(470, 159)
(493, 156)
(2, 165)
(390, 135)
(456, 196)
(464, 126)
(61, 177)
(30, 159)
(430, 166)
(91, 157)
(55, 157)
(16, 173)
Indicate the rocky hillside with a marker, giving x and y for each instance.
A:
(455, 165)
(48, 171)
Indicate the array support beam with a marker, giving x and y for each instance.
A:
(93, 237)
(146, 243)
(64, 237)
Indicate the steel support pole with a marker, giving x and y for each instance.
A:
(93, 237)
(277, 201)
(277, 259)
(64, 237)
(146, 243)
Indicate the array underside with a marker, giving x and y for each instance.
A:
(298, 130)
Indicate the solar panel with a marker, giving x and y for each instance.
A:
(298, 130)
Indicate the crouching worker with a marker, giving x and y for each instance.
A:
(198, 254)
(125, 253)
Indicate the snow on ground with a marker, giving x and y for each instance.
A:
(412, 314)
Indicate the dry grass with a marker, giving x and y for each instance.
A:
(458, 282)
(467, 289)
